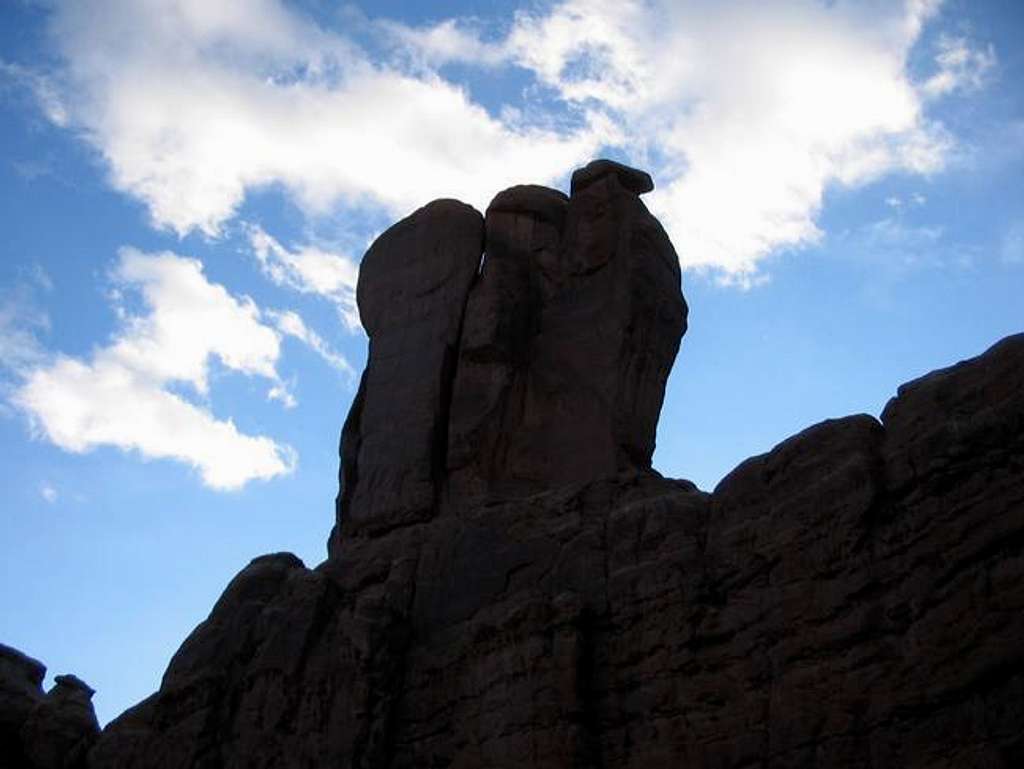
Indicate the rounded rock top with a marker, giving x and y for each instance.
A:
(633, 179)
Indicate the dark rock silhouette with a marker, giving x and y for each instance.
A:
(510, 584)
(412, 290)
(42, 730)
(569, 336)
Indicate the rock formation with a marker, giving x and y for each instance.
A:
(411, 293)
(510, 584)
(42, 730)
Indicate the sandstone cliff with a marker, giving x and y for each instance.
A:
(510, 584)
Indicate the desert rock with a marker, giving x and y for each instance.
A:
(511, 584)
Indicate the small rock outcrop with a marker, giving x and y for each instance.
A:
(43, 730)
(510, 583)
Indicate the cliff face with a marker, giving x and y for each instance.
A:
(509, 583)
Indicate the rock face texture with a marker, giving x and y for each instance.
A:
(412, 291)
(569, 335)
(510, 584)
(42, 730)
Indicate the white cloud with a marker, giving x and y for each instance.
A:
(291, 324)
(20, 321)
(961, 67)
(122, 395)
(42, 88)
(449, 40)
(310, 270)
(893, 233)
(192, 107)
(48, 493)
(898, 204)
(746, 112)
(191, 320)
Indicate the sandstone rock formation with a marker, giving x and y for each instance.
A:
(51, 730)
(510, 584)
(569, 335)
(412, 292)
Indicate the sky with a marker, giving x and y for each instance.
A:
(187, 188)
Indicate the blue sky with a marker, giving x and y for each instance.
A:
(186, 189)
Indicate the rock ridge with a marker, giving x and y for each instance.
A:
(509, 583)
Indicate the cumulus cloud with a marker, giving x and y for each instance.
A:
(310, 270)
(126, 394)
(746, 112)
(48, 493)
(194, 103)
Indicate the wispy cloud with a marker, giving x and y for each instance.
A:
(960, 66)
(48, 493)
(123, 395)
(310, 270)
(291, 324)
(43, 88)
(1012, 245)
(22, 320)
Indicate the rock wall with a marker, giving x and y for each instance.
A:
(853, 598)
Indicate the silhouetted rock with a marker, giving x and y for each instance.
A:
(631, 179)
(569, 336)
(411, 293)
(511, 585)
(21, 689)
(52, 730)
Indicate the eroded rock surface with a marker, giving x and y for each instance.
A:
(411, 293)
(569, 336)
(43, 730)
(853, 598)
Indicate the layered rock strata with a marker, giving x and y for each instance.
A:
(853, 598)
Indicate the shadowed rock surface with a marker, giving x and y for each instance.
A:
(42, 730)
(570, 333)
(852, 598)
(412, 289)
